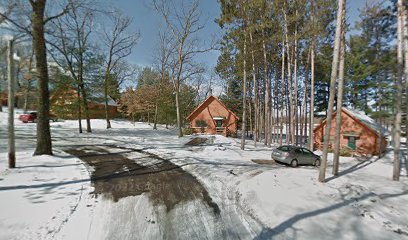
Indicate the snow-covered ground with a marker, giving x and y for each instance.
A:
(50, 197)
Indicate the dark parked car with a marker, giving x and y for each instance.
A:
(295, 156)
(32, 117)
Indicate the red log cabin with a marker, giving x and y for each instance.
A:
(358, 132)
(213, 117)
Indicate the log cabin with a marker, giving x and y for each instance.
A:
(358, 132)
(213, 117)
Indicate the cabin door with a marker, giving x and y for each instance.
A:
(218, 123)
(352, 143)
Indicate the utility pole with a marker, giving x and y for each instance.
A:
(10, 75)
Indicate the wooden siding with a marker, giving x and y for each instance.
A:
(367, 142)
(206, 112)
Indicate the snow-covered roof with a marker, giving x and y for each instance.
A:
(366, 120)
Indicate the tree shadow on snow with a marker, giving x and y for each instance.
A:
(268, 233)
(353, 168)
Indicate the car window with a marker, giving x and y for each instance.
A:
(307, 151)
(297, 150)
(284, 148)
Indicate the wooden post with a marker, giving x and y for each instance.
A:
(10, 75)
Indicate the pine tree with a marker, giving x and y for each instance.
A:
(335, 63)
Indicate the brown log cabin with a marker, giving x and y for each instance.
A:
(358, 132)
(213, 117)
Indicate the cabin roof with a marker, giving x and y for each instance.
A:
(363, 119)
(205, 103)
(367, 121)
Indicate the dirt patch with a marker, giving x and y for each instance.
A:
(263, 161)
(116, 176)
(196, 141)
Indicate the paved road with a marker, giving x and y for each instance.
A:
(141, 196)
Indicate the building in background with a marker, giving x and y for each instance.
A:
(213, 117)
(358, 132)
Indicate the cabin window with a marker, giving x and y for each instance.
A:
(201, 123)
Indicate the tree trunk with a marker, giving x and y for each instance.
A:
(335, 63)
(312, 78)
(244, 92)
(282, 93)
(336, 154)
(405, 32)
(400, 80)
(105, 95)
(86, 107)
(180, 131)
(155, 117)
(44, 145)
(26, 93)
(289, 112)
(79, 110)
(178, 80)
(295, 120)
(303, 114)
(11, 85)
(256, 116)
(268, 117)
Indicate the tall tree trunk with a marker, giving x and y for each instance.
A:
(399, 82)
(250, 115)
(336, 153)
(312, 78)
(405, 32)
(106, 96)
(335, 63)
(304, 103)
(268, 117)
(244, 92)
(289, 121)
(86, 106)
(282, 93)
(11, 86)
(178, 81)
(272, 119)
(83, 88)
(255, 85)
(155, 117)
(295, 120)
(79, 109)
(26, 93)
(44, 145)
(180, 130)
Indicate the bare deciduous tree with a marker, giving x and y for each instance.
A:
(119, 43)
(184, 22)
(71, 39)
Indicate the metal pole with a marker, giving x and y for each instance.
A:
(10, 74)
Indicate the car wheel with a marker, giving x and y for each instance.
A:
(317, 163)
(294, 163)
